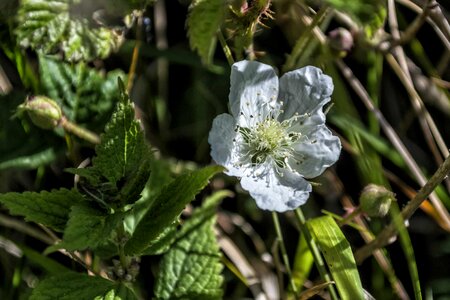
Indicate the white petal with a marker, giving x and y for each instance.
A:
(305, 91)
(254, 89)
(221, 138)
(315, 153)
(275, 193)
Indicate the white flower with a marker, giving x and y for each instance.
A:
(276, 133)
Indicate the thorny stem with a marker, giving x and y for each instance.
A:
(385, 236)
(318, 260)
(284, 255)
(79, 131)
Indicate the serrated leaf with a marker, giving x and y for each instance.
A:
(86, 96)
(167, 206)
(71, 286)
(48, 208)
(88, 227)
(370, 14)
(48, 26)
(123, 149)
(191, 269)
(205, 17)
(338, 256)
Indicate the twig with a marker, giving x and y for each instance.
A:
(135, 56)
(25, 228)
(385, 236)
(391, 135)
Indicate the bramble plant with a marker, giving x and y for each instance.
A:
(145, 146)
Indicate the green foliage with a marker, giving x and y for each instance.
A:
(204, 20)
(71, 286)
(46, 263)
(167, 206)
(191, 268)
(49, 26)
(338, 256)
(370, 14)
(85, 95)
(122, 165)
(48, 208)
(88, 227)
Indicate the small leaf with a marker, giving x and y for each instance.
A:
(48, 26)
(205, 17)
(338, 256)
(71, 286)
(167, 206)
(48, 208)
(191, 268)
(88, 227)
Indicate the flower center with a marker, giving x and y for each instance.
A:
(269, 139)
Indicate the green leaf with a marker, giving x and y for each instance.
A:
(71, 286)
(86, 96)
(31, 161)
(191, 268)
(123, 152)
(48, 208)
(48, 26)
(370, 14)
(167, 206)
(205, 17)
(338, 256)
(88, 227)
(303, 263)
(48, 264)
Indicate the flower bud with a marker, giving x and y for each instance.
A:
(376, 200)
(340, 39)
(43, 112)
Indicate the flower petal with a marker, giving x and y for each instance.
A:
(276, 193)
(315, 153)
(253, 92)
(305, 91)
(221, 138)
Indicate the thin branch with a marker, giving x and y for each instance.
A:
(385, 236)
(391, 135)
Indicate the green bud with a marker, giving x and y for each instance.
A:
(376, 200)
(43, 112)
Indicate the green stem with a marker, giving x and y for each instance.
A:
(320, 264)
(121, 245)
(225, 48)
(276, 223)
(79, 131)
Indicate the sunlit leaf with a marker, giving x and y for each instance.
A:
(338, 256)
(49, 27)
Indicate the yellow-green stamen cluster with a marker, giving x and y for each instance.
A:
(270, 139)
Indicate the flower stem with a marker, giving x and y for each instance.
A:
(276, 223)
(225, 48)
(315, 252)
(79, 131)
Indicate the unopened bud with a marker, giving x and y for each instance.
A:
(43, 112)
(376, 200)
(340, 39)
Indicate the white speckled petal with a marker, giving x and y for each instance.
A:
(275, 193)
(305, 91)
(221, 138)
(317, 152)
(254, 89)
